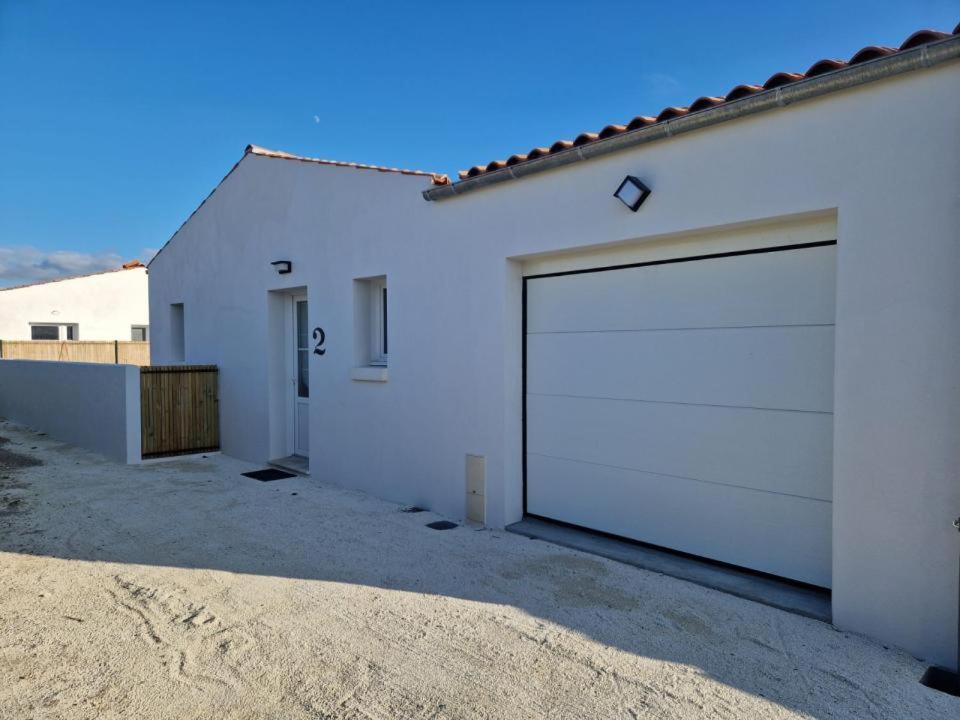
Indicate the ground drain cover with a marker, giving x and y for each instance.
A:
(268, 474)
(441, 525)
(411, 509)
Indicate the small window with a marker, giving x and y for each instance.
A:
(54, 331)
(138, 333)
(178, 350)
(371, 322)
(44, 332)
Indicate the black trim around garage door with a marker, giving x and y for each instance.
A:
(667, 261)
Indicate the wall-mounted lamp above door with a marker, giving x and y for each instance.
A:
(283, 267)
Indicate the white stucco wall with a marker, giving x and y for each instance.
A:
(95, 406)
(105, 305)
(881, 163)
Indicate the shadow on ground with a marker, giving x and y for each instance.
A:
(202, 514)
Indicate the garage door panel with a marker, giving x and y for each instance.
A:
(795, 287)
(789, 368)
(689, 405)
(785, 535)
(776, 451)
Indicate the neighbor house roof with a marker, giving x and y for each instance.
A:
(667, 117)
(133, 264)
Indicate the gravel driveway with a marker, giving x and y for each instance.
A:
(182, 590)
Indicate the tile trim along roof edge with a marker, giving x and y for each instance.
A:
(132, 265)
(923, 49)
(436, 178)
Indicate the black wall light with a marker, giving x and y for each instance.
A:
(632, 192)
(283, 267)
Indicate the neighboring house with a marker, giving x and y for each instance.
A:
(759, 365)
(108, 305)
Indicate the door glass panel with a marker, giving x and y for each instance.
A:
(303, 351)
(303, 374)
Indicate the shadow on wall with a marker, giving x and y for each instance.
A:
(201, 513)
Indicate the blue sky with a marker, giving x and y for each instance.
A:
(117, 118)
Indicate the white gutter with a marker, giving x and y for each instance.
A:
(924, 56)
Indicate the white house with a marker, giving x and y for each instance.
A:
(759, 365)
(108, 305)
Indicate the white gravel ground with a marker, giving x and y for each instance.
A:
(183, 590)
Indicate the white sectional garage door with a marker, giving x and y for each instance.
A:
(689, 404)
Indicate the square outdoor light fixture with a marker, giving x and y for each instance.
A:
(283, 267)
(632, 192)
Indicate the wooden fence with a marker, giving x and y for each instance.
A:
(121, 352)
(179, 410)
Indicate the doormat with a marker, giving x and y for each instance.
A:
(441, 525)
(268, 474)
(411, 509)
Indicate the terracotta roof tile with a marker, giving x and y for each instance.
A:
(922, 37)
(781, 78)
(824, 66)
(743, 91)
(438, 178)
(702, 103)
(871, 52)
(612, 130)
(671, 112)
(640, 121)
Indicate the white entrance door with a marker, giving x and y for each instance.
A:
(689, 405)
(301, 377)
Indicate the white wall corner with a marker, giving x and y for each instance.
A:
(132, 413)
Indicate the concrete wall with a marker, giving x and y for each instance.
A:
(105, 305)
(855, 159)
(94, 406)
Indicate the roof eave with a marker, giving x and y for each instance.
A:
(924, 56)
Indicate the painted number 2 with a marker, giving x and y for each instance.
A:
(321, 337)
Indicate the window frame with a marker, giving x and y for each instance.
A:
(146, 333)
(65, 331)
(379, 322)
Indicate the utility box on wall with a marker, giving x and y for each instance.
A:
(476, 481)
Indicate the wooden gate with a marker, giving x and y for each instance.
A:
(179, 410)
